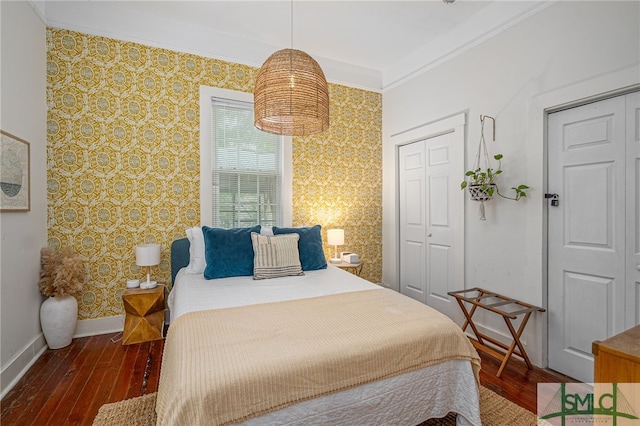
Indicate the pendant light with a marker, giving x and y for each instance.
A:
(291, 95)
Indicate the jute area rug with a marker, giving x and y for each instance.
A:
(494, 411)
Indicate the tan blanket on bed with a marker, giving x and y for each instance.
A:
(227, 365)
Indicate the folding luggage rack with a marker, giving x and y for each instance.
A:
(496, 303)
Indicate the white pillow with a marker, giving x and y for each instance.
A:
(266, 230)
(197, 261)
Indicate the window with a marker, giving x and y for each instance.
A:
(246, 178)
(247, 171)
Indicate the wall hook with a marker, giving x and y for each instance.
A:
(482, 117)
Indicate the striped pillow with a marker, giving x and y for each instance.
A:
(275, 256)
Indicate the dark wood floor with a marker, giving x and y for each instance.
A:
(67, 386)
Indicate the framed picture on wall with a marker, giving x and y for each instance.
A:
(15, 194)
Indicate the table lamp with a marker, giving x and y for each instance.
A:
(335, 237)
(148, 255)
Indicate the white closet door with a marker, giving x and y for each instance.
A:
(443, 186)
(431, 210)
(413, 282)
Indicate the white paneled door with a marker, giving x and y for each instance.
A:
(633, 210)
(431, 219)
(413, 227)
(593, 229)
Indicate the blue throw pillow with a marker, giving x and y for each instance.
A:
(309, 245)
(229, 252)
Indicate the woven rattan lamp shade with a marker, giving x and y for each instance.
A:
(291, 95)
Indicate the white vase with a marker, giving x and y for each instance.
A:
(58, 317)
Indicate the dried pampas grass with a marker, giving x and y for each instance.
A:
(48, 262)
(62, 272)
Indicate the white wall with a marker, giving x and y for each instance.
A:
(569, 51)
(23, 114)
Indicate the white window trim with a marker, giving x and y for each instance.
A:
(206, 200)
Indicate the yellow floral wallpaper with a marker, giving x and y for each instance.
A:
(123, 159)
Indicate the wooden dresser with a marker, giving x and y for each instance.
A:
(617, 359)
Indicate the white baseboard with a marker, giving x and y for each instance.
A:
(18, 366)
(93, 327)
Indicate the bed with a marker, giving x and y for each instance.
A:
(321, 348)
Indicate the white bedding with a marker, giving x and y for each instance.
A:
(192, 292)
(399, 400)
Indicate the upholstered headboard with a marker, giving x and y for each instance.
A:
(179, 256)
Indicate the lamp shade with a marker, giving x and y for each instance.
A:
(291, 96)
(148, 254)
(335, 237)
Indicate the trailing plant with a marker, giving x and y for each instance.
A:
(486, 179)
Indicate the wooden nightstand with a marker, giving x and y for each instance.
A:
(355, 268)
(144, 315)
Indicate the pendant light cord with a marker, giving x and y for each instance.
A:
(292, 24)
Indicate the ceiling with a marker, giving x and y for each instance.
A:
(372, 44)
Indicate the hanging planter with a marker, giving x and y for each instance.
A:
(481, 181)
(480, 192)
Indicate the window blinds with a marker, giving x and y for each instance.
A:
(246, 168)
